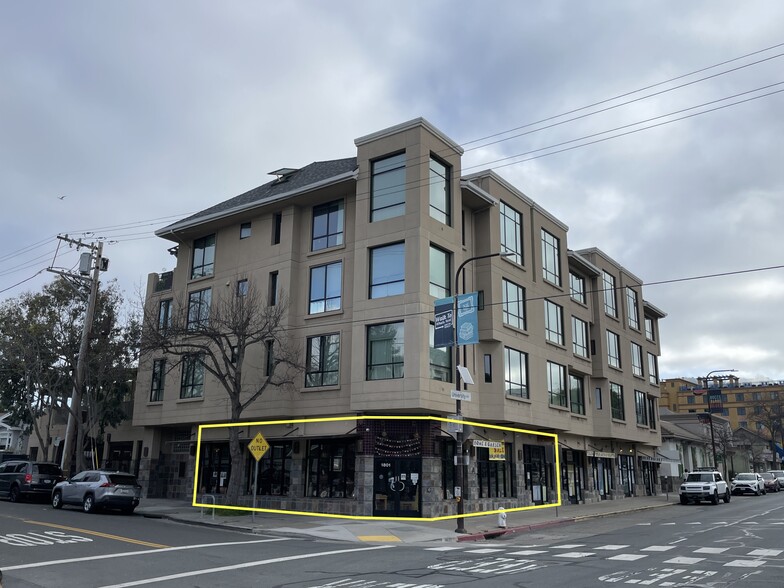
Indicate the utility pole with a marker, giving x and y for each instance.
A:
(90, 261)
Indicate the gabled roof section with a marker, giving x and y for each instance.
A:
(311, 177)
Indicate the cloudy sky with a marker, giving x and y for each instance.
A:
(118, 118)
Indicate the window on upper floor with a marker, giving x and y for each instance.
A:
(440, 201)
(245, 230)
(553, 323)
(440, 272)
(326, 285)
(511, 232)
(192, 381)
(272, 295)
(242, 288)
(277, 224)
(579, 337)
(164, 315)
(327, 225)
(739, 397)
(323, 360)
(637, 360)
(632, 311)
(515, 373)
(158, 380)
(641, 407)
(388, 187)
(577, 394)
(616, 401)
(741, 411)
(650, 326)
(513, 297)
(556, 384)
(613, 350)
(199, 309)
(551, 258)
(577, 287)
(385, 351)
(653, 369)
(203, 257)
(608, 285)
(440, 359)
(652, 411)
(387, 270)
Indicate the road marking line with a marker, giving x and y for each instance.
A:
(444, 548)
(611, 547)
(378, 538)
(483, 550)
(744, 563)
(249, 564)
(628, 557)
(569, 546)
(713, 550)
(56, 562)
(99, 534)
(575, 554)
(685, 560)
(527, 552)
(766, 552)
(658, 548)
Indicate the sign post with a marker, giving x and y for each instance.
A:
(258, 447)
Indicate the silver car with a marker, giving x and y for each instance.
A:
(97, 489)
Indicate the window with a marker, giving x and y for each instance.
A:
(440, 202)
(616, 401)
(158, 377)
(242, 288)
(652, 411)
(553, 323)
(385, 351)
(597, 393)
(556, 384)
(690, 400)
(744, 424)
(331, 465)
(579, 337)
(632, 311)
(577, 287)
(440, 360)
(164, 315)
(488, 361)
(608, 283)
(323, 362)
(387, 270)
(511, 233)
(653, 369)
(388, 188)
(447, 467)
(613, 350)
(637, 360)
(641, 407)
(650, 332)
(203, 257)
(513, 304)
(741, 411)
(277, 222)
(739, 397)
(192, 383)
(495, 477)
(551, 258)
(326, 282)
(577, 394)
(440, 268)
(515, 373)
(274, 470)
(327, 225)
(273, 288)
(269, 365)
(199, 309)
(244, 230)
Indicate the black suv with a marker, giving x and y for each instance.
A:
(20, 479)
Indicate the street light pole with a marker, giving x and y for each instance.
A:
(710, 418)
(460, 472)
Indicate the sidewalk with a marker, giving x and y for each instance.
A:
(380, 531)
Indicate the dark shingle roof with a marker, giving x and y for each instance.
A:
(314, 173)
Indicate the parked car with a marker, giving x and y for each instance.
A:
(749, 482)
(771, 482)
(704, 485)
(23, 479)
(780, 475)
(98, 489)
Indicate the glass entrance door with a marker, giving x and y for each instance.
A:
(397, 481)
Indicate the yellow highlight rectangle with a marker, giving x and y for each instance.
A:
(553, 436)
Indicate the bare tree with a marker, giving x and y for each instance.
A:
(768, 411)
(218, 334)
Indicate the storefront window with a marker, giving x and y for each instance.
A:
(274, 470)
(496, 477)
(330, 472)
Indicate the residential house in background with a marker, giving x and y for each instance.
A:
(12, 437)
(361, 248)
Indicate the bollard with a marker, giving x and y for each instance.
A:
(502, 519)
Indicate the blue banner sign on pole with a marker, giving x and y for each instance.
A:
(444, 329)
(467, 319)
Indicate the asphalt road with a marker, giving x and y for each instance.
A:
(735, 544)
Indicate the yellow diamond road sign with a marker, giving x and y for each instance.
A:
(259, 446)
